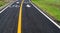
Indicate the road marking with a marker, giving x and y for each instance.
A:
(46, 15)
(17, 2)
(6, 7)
(20, 18)
(28, 5)
(14, 6)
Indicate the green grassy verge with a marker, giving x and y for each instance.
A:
(2, 3)
(52, 7)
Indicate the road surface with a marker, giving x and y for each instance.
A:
(9, 19)
(35, 22)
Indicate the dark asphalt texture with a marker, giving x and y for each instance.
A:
(35, 22)
(9, 19)
(32, 20)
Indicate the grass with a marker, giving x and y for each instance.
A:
(52, 7)
(2, 3)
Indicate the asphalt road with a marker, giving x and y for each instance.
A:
(9, 19)
(34, 21)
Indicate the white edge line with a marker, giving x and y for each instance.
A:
(6, 8)
(46, 16)
(3, 9)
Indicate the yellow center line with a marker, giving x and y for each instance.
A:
(20, 18)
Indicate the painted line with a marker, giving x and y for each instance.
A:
(6, 7)
(20, 18)
(46, 15)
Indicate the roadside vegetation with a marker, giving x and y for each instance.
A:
(2, 3)
(52, 7)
